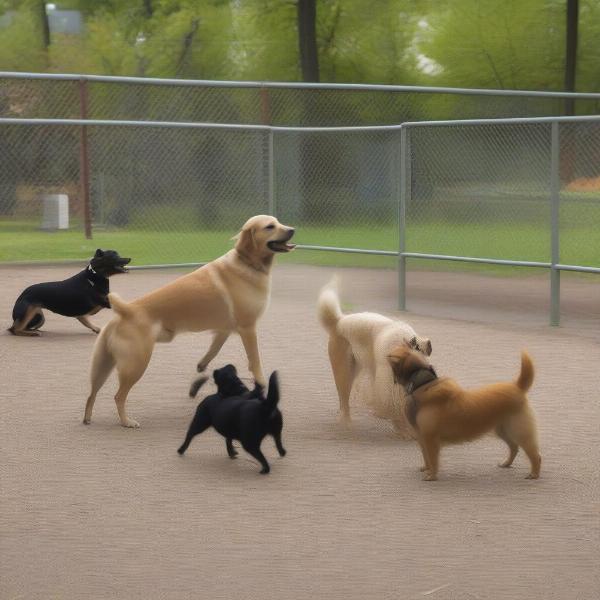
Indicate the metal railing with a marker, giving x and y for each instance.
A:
(439, 191)
(37, 95)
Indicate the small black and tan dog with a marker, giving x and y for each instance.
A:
(238, 413)
(79, 296)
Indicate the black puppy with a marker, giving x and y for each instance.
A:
(79, 296)
(239, 414)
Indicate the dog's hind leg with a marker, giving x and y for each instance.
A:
(201, 422)
(279, 445)
(522, 430)
(230, 449)
(102, 365)
(37, 322)
(220, 337)
(19, 327)
(531, 449)
(130, 371)
(343, 367)
(258, 455)
(513, 447)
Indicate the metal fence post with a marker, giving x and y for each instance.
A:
(404, 184)
(84, 161)
(554, 224)
(271, 174)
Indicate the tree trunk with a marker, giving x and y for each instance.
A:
(44, 23)
(307, 39)
(567, 142)
(148, 8)
(571, 52)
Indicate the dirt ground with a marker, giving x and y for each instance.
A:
(106, 512)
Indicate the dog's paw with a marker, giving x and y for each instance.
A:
(96, 330)
(430, 477)
(423, 468)
(505, 465)
(201, 367)
(131, 423)
(265, 470)
(532, 476)
(87, 421)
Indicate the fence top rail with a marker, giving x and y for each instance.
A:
(507, 121)
(267, 128)
(297, 85)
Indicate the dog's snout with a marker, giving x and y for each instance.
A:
(291, 232)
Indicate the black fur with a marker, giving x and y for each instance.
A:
(77, 296)
(240, 414)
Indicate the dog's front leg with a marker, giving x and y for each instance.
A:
(219, 339)
(250, 342)
(86, 323)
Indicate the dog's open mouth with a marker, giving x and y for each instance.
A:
(120, 267)
(280, 246)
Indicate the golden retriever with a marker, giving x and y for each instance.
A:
(358, 346)
(444, 413)
(226, 295)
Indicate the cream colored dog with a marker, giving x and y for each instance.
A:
(359, 344)
(226, 295)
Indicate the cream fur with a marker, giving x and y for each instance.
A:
(225, 296)
(358, 348)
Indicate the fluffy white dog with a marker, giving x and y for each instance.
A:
(359, 345)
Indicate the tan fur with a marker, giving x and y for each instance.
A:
(448, 414)
(227, 295)
(358, 348)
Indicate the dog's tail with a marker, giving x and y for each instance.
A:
(328, 305)
(527, 372)
(272, 399)
(122, 308)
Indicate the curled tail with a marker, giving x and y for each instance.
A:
(272, 399)
(328, 306)
(122, 308)
(527, 372)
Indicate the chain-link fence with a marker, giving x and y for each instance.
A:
(24, 95)
(519, 192)
(513, 192)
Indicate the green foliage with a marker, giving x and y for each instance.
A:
(470, 43)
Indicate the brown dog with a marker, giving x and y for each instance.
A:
(226, 295)
(443, 413)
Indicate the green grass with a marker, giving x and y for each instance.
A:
(580, 244)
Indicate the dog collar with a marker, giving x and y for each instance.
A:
(420, 378)
(91, 269)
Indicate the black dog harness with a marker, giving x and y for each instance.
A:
(417, 380)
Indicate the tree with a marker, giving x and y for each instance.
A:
(307, 39)
(571, 52)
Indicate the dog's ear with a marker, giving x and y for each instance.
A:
(412, 343)
(99, 253)
(428, 348)
(245, 241)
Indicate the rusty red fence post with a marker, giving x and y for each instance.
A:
(84, 161)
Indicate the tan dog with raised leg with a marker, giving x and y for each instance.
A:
(444, 413)
(226, 295)
(359, 345)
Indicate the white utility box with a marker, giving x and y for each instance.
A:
(56, 211)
